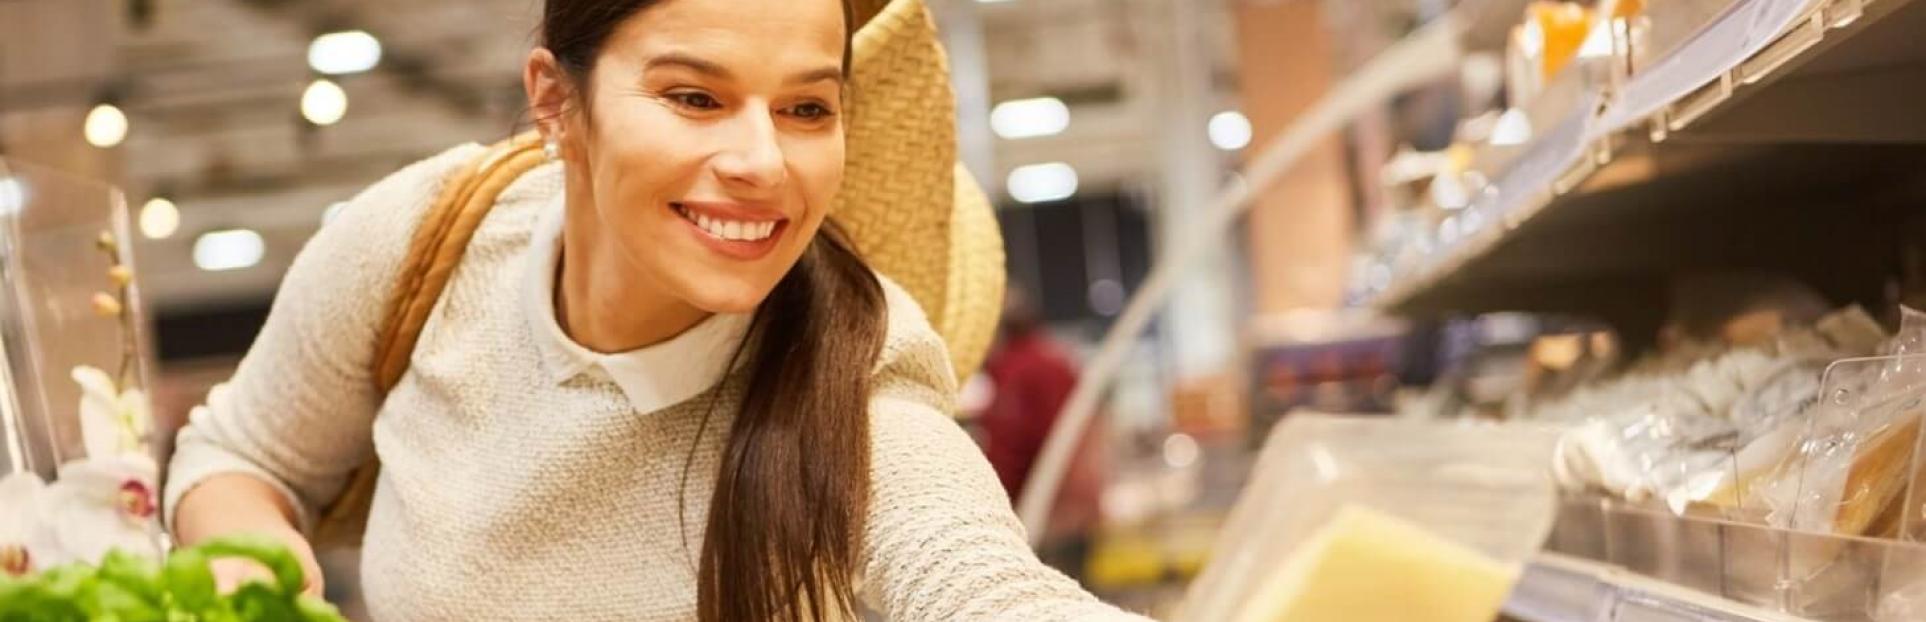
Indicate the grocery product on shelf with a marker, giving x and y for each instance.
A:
(1768, 459)
(1856, 470)
(1343, 574)
(1405, 504)
(1543, 44)
(1802, 433)
(1673, 430)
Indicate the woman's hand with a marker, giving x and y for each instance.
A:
(231, 572)
(236, 503)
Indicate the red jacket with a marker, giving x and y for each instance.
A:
(1033, 379)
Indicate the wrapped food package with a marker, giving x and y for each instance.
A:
(1367, 566)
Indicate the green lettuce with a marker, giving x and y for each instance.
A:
(127, 588)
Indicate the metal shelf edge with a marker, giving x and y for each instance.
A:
(1560, 588)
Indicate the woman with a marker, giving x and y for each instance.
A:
(659, 386)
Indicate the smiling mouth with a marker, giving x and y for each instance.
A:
(727, 229)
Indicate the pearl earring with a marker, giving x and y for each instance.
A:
(551, 149)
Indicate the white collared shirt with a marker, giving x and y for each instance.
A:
(653, 377)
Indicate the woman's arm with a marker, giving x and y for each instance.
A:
(942, 542)
(237, 503)
(277, 441)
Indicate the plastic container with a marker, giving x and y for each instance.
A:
(1486, 487)
(77, 472)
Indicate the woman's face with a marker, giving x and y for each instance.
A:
(712, 142)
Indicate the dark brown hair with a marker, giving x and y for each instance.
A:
(784, 534)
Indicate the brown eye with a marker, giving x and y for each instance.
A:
(699, 101)
(811, 111)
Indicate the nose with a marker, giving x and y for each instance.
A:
(754, 156)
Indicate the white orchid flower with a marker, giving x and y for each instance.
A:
(111, 421)
(23, 543)
(99, 503)
(103, 503)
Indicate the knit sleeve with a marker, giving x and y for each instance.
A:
(299, 410)
(942, 542)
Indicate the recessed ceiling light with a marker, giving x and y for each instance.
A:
(338, 53)
(159, 218)
(324, 103)
(1039, 183)
(106, 126)
(230, 249)
(1028, 118)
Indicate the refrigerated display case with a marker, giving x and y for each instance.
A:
(1774, 136)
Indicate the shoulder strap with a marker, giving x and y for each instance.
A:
(437, 247)
(434, 251)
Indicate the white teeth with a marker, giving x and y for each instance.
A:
(731, 229)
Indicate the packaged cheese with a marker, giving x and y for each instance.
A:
(1367, 566)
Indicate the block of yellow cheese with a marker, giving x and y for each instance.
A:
(1367, 566)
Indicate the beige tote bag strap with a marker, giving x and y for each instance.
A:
(433, 253)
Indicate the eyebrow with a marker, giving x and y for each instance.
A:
(712, 69)
(822, 74)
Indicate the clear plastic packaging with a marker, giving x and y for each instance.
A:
(1719, 432)
(1824, 515)
(1485, 487)
(1853, 460)
(1854, 464)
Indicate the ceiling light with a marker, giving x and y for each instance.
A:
(106, 126)
(324, 103)
(1038, 183)
(1029, 118)
(1230, 130)
(346, 52)
(231, 249)
(159, 218)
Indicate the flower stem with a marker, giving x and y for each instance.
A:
(124, 378)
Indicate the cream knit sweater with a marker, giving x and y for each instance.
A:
(517, 485)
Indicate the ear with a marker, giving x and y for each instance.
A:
(549, 90)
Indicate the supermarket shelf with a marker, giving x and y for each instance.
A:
(1560, 588)
(1609, 561)
(1714, 156)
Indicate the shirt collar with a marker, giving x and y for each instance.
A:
(653, 378)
